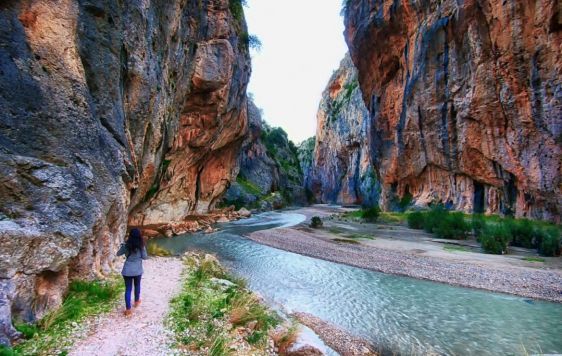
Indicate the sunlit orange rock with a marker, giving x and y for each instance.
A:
(465, 99)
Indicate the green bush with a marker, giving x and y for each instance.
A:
(371, 214)
(452, 226)
(494, 239)
(416, 220)
(7, 351)
(523, 233)
(477, 224)
(28, 330)
(316, 222)
(549, 241)
(434, 217)
(237, 9)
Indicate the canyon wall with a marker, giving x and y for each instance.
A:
(465, 99)
(270, 176)
(341, 170)
(111, 113)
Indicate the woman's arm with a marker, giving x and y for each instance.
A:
(122, 250)
(144, 255)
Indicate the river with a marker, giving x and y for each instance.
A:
(402, 314)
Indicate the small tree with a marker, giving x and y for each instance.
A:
(316, 222)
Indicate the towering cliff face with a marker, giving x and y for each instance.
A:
(270, 176)
(341, 170)
(305, 152)
(112, 113)
(465, 99)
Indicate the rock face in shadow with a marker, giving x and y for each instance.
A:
(341, 170)
(270, 176)
(465, 101)
(112, 113)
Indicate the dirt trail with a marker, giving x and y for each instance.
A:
(143, 333)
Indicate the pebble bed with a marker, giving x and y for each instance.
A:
(521, 281)
(339, 340)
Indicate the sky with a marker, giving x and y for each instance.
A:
(302, 44)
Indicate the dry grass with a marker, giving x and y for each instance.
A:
(285, 339)
(353, 242)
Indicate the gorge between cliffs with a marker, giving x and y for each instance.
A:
(437, 156)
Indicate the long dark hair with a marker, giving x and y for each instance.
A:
(135, 241)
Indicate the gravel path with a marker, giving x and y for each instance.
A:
(522, 281)
(143, 333)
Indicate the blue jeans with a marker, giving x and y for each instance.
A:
(129, 287)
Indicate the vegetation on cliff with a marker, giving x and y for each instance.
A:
(340, 168)
(270, 174)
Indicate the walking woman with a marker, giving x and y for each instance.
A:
(135, 251)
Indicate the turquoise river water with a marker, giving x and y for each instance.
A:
(401, 314)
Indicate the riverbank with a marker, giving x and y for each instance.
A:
(339, 340)
(479, 271)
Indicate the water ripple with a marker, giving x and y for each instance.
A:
(403, 314)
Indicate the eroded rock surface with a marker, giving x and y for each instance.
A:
(465, 99)
(270, 175)
(110, 113)
(341, 171)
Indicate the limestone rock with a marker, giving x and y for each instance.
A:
(245, 213)
(341, 170)
(269, 168)
(110, 114)
(464, 99)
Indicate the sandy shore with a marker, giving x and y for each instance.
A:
(521, 281)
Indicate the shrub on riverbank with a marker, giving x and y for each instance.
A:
(477, 224)
(316, 222)
(215, 312)
(549, 241)
(53, 334)
(371, 214)
(434, 217)
(452, 226)
(494, 239)
(523, 233)
(495, 233)
(416, 220)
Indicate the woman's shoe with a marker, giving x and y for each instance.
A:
(128, 312)
(137, 303)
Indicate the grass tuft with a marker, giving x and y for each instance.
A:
(53, 333)
(454, 248)
(206, 312)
